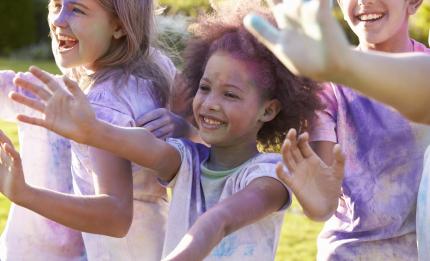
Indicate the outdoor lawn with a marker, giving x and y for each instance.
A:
(298, 233)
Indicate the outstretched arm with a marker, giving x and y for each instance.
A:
(260, 198)
(310, 42)
(68, 113)
(316, 185)
(109, 212)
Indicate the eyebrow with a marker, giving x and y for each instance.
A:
(225, 85)
(79, 4)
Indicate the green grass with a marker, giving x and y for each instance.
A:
(298, 237)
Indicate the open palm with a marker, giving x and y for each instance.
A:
(309, 40)
(316, 185)
(65, 111)
(12, 182)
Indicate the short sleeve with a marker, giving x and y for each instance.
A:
(260, 169)
(8, 108)
(112, 115)
(185, 159)
(323, 127)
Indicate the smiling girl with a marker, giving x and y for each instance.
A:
(106, 46)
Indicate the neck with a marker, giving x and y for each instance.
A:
(400, 43)
(224, 158)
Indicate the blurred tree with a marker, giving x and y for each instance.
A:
(17, 24)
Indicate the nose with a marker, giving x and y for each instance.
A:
(211, 102)
(365, 2)
(60, 19)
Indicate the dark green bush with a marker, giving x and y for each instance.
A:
(18, 26)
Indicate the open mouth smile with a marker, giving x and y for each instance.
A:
(66, 43)
(370, 17)
(210, 122)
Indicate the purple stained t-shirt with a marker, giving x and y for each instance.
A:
(375, 219)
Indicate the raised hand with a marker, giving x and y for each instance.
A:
(308, 42)
(65, 111)
(316, 186)
(12, 182)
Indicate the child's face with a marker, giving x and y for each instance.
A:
(81, 32)
(378, 21)
(228, 107)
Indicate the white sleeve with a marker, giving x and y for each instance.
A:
(8, 108)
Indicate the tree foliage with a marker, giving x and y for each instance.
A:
(17, 24)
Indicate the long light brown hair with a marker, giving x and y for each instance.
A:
(132, 54)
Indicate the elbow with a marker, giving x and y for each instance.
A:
(118, 223)
(319, 216)
(120, 231)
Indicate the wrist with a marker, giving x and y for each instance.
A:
(25, 196)
(94, 133)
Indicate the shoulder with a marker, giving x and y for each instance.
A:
(164, 62)
(190, 149)
(420, 47)
(131, 97)
(262, 165)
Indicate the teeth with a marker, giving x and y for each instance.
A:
(65, 38)
(369, 17)
(211, 121)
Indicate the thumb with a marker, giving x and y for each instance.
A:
(73, 87)
(339, 163)
(262, 30)
(283, 175)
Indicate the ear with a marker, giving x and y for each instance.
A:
(413, 6)
(118, 30)
(271, 109)
(118, 33)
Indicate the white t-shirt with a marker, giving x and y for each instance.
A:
(46, 163)
(122, 105)
(191, 197)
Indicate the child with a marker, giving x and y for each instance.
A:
(242, 95)
(376, 215)
(27, 235)
(106, 46)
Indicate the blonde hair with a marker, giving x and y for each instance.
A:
(133, 53)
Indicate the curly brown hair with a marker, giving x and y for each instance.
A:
(224, 31)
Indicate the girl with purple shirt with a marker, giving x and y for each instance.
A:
(375, 219)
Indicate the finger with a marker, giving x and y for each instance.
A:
(304, 146)
(287, 158)
(32, 120)
(29, 102)
(339, 164)
(39, 91)
(74, 88)
(46, 78)
(264, 31)
(4, 138)
(149, 117)
(10, 150)
(292, 137)
(165, 131)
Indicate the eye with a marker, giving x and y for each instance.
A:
(204, 88)
(231, 95)
(77, 10)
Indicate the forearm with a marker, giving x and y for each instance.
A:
(99, 214)
(399, 80)
(202, 237)
(137, 145)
